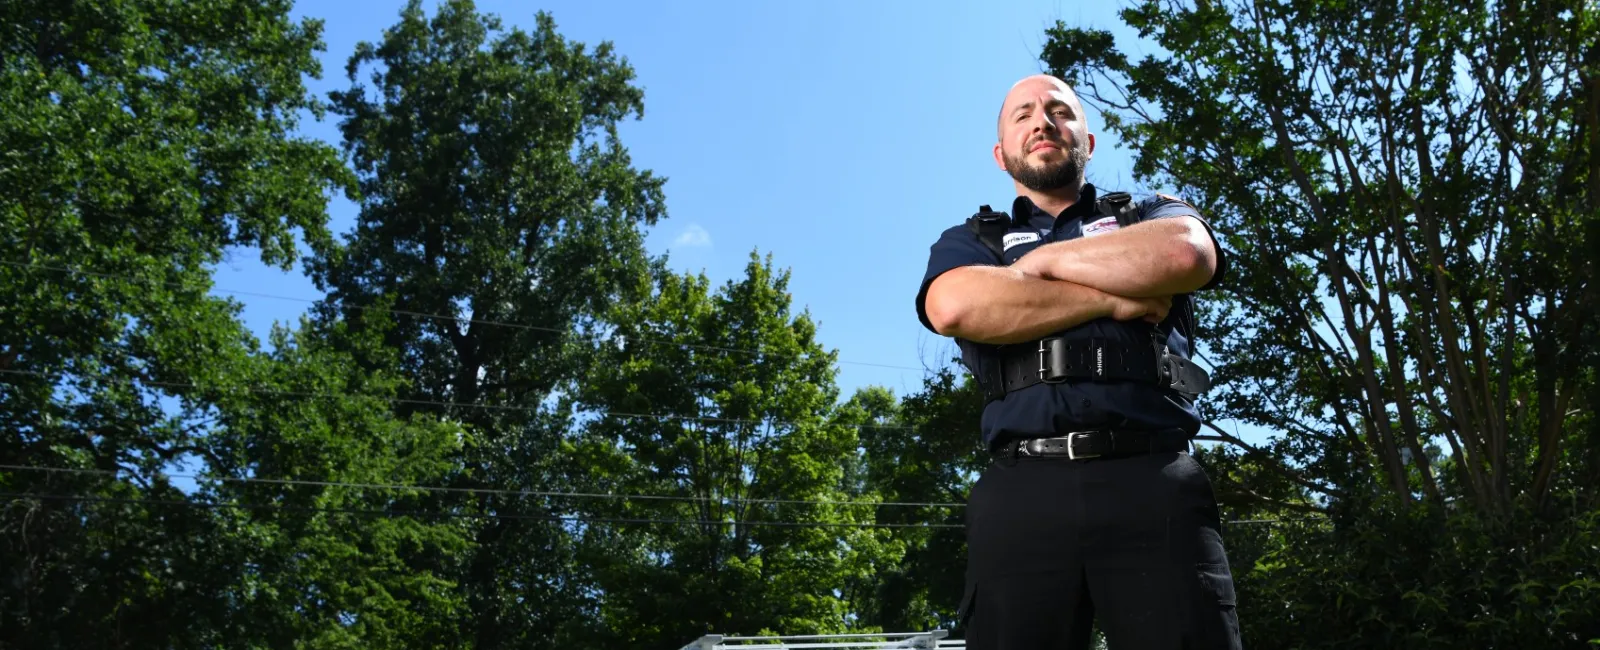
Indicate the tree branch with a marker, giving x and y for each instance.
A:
(1270, 462)
(1235, 487)
(1376, 412)
(1395, 363)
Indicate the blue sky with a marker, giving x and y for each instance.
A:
(841, 137)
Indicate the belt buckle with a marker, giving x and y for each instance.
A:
(1071, 453)
(1044, 365)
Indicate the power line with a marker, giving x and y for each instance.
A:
(492, 407)
(24, 496)
(491, 491)
(422, 315)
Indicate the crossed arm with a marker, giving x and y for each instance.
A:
(1127, 274)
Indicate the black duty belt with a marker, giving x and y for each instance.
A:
(1083, 445)
(1056, 360)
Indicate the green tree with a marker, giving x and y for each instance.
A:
(932, 456)
(744, 430)
(322, 557)
(500, 212)
(1409, 195)
(138, 140)
(141, 141)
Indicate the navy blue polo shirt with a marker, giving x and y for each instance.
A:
(1044, 410)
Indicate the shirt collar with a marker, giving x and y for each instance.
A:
(1023, 211)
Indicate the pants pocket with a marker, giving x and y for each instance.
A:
(1218, 620)
(1218, 582)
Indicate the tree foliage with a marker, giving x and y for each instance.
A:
(507, 425)
(744, 431)
(500, 212)
(1408, 192)
(142, 141)
(933, 456)
(320, 555)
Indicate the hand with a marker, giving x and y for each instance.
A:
(1032, 264)
(1151, 310)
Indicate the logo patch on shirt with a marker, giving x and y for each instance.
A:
(1100, 227)
(1019, 238)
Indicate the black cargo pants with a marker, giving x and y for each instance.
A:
(1133, 543)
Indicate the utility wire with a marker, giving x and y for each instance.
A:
(24, 496)
(492, 407)
(530, 493)
(422, 315)
(610, 495)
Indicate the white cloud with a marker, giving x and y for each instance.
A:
(693, 237)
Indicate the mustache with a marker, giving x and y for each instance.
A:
(1055, 141)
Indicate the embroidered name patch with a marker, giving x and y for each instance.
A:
(1019, 238)
(1100, 227)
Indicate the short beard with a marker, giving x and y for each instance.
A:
(1044, 178)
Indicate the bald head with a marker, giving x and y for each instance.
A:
(1033, 85)
(1043, 139)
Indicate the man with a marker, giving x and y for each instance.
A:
(1077, 322)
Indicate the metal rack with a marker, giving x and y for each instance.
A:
(934, 640)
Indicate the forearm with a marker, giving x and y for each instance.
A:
(1157, 258)
(998, 305)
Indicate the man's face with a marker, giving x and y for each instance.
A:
(1044, 141)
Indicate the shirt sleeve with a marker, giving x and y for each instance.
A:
(1162, 206)
(956, 248)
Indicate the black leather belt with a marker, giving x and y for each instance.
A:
(1055, 360)
(1083, 445)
